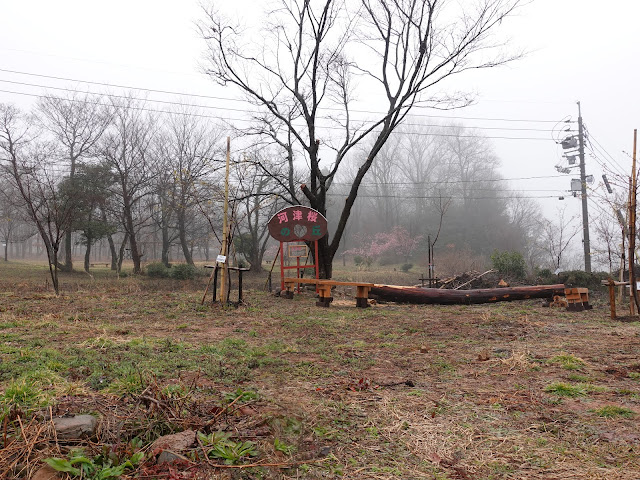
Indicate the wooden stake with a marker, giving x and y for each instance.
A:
(622, 265)
(225, 229)
(612, 298)
(632, 228)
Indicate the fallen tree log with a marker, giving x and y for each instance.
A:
(395, 293)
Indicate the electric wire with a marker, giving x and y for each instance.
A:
(104, 84)
(455, 197)
(607, 165)
(440, 182)
(168, 102)
(602, 149)
(227, 118)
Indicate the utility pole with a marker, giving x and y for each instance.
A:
(583, 182)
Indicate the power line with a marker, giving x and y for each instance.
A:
(596, 152)
(435, 197)
(168, 102)
(169, 92)
(499, 190)
(453, 181)
(421, 134)
(602, 149)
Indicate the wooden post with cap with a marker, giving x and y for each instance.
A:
(225, 229)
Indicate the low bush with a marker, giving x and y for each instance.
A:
(157, 270)
(406, 267)
(509, 263)
(362, 261)
(578, 278)
(183, 271)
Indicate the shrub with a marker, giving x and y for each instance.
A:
(578, 278)
(406, 267)
(183, 271)
(362, 261)
(158, 270)
(509, 263)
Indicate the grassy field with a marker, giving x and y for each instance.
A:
(504, 391)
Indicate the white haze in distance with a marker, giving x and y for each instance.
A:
(577, 50)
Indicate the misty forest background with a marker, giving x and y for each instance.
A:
(108, 177)
(105, 173)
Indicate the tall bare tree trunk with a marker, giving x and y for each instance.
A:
(87, 254)
(166, 244)
(68, 255)
(182, 233)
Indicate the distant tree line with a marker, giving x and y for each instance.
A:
(91, 167)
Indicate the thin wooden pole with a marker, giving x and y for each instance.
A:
(317, 268)
(632, 227)
(225, 228)
(281, 267)
(622, 265)
(630, 250)
(612, 298)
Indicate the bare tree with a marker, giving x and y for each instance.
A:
(384, 173)
(556, 236)
(259, 196)
(304, 70)
(608, 240)
(189, 146)
(8, 214)
(28, 163)
(126, 147)
(161, 205)
(76, 123)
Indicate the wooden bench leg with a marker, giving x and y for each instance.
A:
(362, 303)
(287, 292)
(325, 298)
(362, 295)
(324, 302)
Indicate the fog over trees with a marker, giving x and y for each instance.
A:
(148, 187)
(108, 177)
(313, 54)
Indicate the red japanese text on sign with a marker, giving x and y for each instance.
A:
(297, 223)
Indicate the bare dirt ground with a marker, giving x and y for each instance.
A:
(503, 391)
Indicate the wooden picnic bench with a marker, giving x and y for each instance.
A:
(100, 264)
(323, 288)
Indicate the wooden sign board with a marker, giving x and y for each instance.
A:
(297, 223)
(299, 250)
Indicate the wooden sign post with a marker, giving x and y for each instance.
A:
(297, 224)
(222, 258)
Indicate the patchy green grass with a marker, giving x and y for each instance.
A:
(393, 391)
(611, 411)
(566, 390)
(567, 361)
